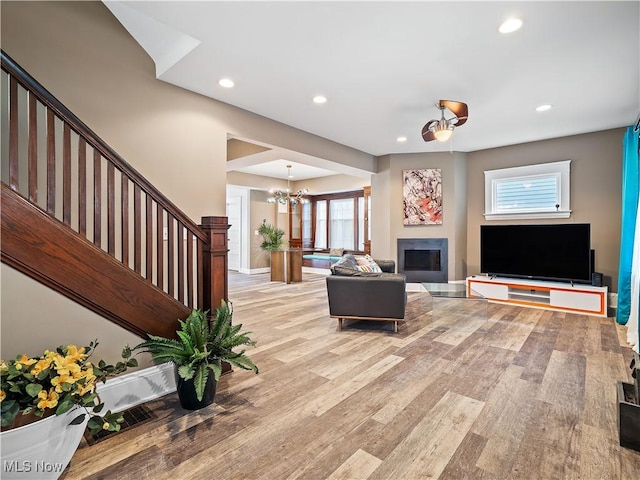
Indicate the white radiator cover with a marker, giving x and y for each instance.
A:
(141, 386)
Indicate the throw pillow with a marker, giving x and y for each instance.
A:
(336, 252)
(367, 264)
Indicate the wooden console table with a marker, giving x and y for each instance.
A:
(286, 265)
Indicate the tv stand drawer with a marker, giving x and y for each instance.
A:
(579, 300)
(492, 290)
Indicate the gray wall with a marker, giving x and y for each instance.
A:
(596, 172)
(259, 210)
(386, 193)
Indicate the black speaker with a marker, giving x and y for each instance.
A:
(596, 279)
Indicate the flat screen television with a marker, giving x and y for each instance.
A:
(559, 252)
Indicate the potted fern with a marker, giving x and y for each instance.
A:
(271, 236)
(203, 344)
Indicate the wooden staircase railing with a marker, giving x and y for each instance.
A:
(59, 166)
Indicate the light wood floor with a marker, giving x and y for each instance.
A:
(472, 391)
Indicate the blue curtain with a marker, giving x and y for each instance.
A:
(630, 194)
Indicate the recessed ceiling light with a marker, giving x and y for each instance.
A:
(543, 108)
(319, 99)
(226, 83)
(510, 25)
(401, 139)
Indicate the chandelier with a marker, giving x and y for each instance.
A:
(284, 197)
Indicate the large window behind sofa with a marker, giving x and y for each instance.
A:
(338, 220)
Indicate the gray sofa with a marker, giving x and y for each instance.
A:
(366, 296)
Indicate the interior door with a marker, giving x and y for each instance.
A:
(234, 215)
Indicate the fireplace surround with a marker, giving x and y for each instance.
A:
(424, 259)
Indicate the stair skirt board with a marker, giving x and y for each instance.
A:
(141, 386)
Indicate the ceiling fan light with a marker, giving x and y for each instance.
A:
(443, 135)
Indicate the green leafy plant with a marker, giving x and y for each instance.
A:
(57, 381)
(202, 344)
(271, 236)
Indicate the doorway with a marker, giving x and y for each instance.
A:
(234, 215)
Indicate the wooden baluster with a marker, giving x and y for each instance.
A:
(170, 253)
(111, 209)
(190, 292)
(51, 163)
(180, 262)
(149, 239)
(66, 174)
(82, 187)
(160, 247)
(13, 133)
(215, 263)
(137, 231)
(97, 198)
(124, 189)
(200, 269)
(33, 149)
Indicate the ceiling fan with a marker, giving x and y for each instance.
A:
(442, 129)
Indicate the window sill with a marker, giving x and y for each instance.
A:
(527, 215)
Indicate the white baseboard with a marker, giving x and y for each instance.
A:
(254, 271)
(131, 389)
(321, 271)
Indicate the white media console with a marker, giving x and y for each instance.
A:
(560, 296)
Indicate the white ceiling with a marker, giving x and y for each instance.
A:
(383, 65)
(278, 169)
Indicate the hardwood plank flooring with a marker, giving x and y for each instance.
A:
(472, 391)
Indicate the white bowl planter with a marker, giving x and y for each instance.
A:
(43, 449)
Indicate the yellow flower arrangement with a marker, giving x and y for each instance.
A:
(56, 382)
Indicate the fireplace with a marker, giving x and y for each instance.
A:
(423, 259)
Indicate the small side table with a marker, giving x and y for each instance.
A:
(286, 265)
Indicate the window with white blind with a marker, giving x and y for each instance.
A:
(531, 191)
(338, 221)
(341, 229)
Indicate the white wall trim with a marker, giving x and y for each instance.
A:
(244, 193)
(131, 389)
(321, 271)
(530, 215)
(255, 271)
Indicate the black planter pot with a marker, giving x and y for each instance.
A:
(187, 392)
(628, 416)
(629, 408)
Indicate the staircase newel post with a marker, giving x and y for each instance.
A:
(214, 262)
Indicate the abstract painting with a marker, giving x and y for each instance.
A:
(422, 196)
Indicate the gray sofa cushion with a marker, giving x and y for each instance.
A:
(388, 266)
